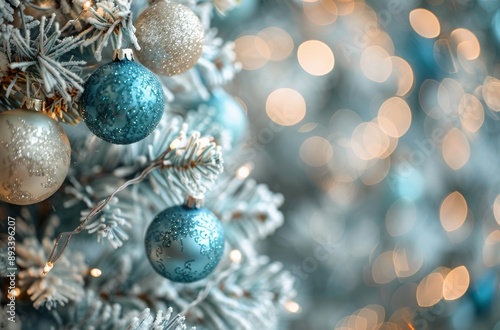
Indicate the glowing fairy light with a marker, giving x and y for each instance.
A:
(292, 307)
(244, 171)
(16, 292)
(47, 268)
(95, 272)
(235, 256)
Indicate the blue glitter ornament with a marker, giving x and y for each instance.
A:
(123, 101)
(229, 114)
(185, 244)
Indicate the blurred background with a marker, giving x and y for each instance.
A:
(379, 122)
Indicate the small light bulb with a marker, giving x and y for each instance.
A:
(175, 143)
(292, 307)
(235, 256)
(244, 171)
(14, 293)
(47, 268)
(95, 272)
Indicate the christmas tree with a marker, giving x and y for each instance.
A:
(145, 216)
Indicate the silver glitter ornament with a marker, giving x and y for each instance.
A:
(35, 156)
(170, 36)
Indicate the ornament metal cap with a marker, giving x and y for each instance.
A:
(121, 54)
(195, 202)
(31, 103)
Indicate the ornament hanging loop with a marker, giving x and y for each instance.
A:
(121, 54)
(31, 103)
(195, 202)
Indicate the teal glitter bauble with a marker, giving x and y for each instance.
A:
(122, 102)
(185, 244)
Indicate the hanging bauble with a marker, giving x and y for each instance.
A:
(229, 115)
(123, 101)
(170, 36)
(185, 244)
(34, 159)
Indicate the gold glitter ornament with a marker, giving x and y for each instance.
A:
(170, 36)
(35, 156)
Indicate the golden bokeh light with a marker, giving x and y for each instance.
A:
(369, 141)
(345, 7)
(351, 322)
(471, 113)
(491, 257)
(453, 211)
(393, 143)
(430, 290)
(285, 106)
(456, 283)
(404, 75)
(316, 151)
(279, 41)
(425, 23)
(315, 57)
(496, 209)
(491, 93)
(383, 270)
(455, 149)
(394, 117)
(252, 51)
(407, 262)
(321, 12)
(372, 314)
(467, 43)
(376, 64)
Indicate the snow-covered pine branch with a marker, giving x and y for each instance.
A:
(36, 67)
(248, 210)
(108, 22)
(7, 8)
(62, 285)
(251, 297)
(93, 312)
